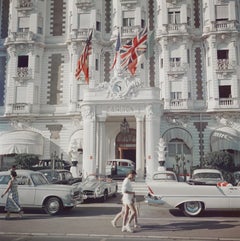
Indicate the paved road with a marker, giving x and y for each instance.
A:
(91, 221)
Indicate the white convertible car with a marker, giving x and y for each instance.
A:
(193, 199)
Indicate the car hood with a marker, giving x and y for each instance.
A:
(89, 185)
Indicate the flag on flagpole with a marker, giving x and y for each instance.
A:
(82, 64)
(117, 48)
(130, 52)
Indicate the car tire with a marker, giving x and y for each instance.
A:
(53, 205)
(193, 208)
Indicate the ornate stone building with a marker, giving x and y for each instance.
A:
(185, 90)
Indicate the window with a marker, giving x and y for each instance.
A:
(84, 21)
(128, 19)
(175, 62)
(96, 65)
(221, 12)
(98, 26)
(22, 61)
(23, 24)
(222, 56)
(174, 17)
(143, 23)
(128, 22)
(225, 91)
(177, 147)
(176, 95)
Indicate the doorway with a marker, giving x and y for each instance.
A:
(126, 145)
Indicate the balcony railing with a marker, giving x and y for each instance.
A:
(130, 31)
(24, 4)
(80, 34)
(21, 36)
(177, 68)
(221, 26)
(226, 102)
(225, 64)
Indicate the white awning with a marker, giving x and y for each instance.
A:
(17, 142)
(225, 138)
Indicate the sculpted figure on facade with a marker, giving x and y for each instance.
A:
(87, 113)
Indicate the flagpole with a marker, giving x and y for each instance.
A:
(118, 63)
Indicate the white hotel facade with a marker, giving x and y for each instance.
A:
(186, 89)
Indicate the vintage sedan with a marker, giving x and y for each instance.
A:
(206, 177)
(193, 199)
(60, 176)
(99, 187)
(36, 192)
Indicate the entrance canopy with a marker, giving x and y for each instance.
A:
(178, 133)
(18, 142)
(225, 138)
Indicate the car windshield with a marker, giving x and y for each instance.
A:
(164, 176)
(94, 178)
(39, 179)
(207, 175)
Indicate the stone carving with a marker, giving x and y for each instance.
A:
(87, 113)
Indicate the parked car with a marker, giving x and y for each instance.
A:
(206, 177)
(60, 176)
(193, 199)
(36, 192)
(164, 176)
(119, 168)
(99, 187)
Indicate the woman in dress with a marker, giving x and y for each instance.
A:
(12, 203)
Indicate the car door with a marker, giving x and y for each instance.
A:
(26, 191)
(233, 193)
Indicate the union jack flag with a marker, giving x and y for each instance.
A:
(82, 64)
(117, 48)
(130, 52)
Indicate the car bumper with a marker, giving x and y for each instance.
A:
(153, 200)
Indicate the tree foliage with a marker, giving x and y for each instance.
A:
(223, 161)
(26, 161)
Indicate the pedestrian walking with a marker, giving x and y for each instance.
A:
(120, 215)
(130, 211)
(12, 202)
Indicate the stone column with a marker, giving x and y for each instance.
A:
(152, 137)
(139, 148)
(89, 141)
(102, 145)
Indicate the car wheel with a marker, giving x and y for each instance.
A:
(53, 206)
(193, 208)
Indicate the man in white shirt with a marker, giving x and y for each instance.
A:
(128, 202)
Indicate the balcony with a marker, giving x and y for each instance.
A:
(21, 37)
(130, 31)
(23, 74)
(172, 29)
(24, 5)
(225, 68)
(221, 26)
(179, 104)
(79, 34)
(18, 108)
(177, 68)
(84, 4)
